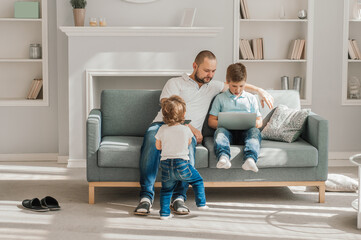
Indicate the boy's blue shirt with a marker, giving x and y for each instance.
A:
(227, 102)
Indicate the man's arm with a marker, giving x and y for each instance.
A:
(213, 121)
(263, 95)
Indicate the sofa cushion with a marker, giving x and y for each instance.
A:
(285, 124)
(124, 151)
(273, 154)
(128, 112)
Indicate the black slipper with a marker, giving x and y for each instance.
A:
(50, 203)
(177, 204)
(34, 205)
(143, 205)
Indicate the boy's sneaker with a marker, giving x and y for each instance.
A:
(166, 217)
(250, 164)
(224, 162)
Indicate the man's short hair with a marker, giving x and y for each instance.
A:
(202, 55)
(236, 72)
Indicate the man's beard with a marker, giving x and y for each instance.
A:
(200, 80)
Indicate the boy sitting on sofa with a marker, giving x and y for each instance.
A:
(236, 100)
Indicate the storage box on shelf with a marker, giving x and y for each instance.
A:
(277, 23)
(351, 76)
(16, 67)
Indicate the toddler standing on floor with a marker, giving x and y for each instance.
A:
(173, 139)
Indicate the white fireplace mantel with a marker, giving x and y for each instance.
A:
(142, 31)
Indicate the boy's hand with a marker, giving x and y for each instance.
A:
(259, 122)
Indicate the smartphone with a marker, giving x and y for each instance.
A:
(187, 122)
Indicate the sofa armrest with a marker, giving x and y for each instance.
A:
(93, 131)
(93, 139)
(316, 133)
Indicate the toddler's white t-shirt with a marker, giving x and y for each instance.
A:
(175, 141)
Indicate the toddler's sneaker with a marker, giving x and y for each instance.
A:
(166, 217)
(250, 164)
(224, 162)
(203, 208)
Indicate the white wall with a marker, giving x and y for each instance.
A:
(34, 129)
(45, 129)
(344, 121)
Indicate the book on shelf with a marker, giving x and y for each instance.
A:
(351, 50)
(251, 49)
(257, 48)
(296, 49)
(242, 50)
(301, 48)
(248, 49)
(356, 49)
(35, 89)
(244, 9)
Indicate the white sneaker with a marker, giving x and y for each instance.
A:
(250, 164)
(224, 162)
(166, 217)
(203, 208)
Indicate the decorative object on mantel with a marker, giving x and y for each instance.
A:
(78, 11)
(93, 22)
(188, 17)
(102, 22)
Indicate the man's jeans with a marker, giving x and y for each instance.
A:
(175, 171)
(251, 138)
(149, 164)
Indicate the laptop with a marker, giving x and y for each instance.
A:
(237, 120)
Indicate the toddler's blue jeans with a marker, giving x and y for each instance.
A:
(173, 172)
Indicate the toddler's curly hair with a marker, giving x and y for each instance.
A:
(173, 109)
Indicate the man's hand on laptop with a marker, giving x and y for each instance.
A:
(196, 133)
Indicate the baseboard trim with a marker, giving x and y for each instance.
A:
(340, 159)
(29, 157)
(63, 159)
(76, 163)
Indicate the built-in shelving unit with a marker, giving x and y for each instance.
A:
(350, 68)
(277, 33)
(16, 68)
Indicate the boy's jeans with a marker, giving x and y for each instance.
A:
(251, 138)
(149, 164)
(175, 171)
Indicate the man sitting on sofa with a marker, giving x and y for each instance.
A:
(198, 91)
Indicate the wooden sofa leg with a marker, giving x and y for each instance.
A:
(321, 193)
(91, 194)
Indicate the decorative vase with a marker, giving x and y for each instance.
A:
(79, 16)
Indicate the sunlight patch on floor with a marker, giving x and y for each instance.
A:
(280, 206)
(17, 172)
(30, 177)
(32, 169)
(13, 212)
(20, 233)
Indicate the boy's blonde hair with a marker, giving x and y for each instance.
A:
(236, 72)
(173, 109)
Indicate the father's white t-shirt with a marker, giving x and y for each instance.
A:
(197, 98)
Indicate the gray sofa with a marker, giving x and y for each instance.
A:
(115, 134)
